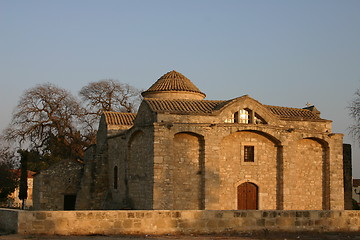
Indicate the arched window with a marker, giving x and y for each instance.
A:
(115, 177)
(244, 116)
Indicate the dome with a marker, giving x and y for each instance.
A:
(173, 85)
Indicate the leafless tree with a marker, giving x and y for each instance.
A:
(46, 117)
(110, 95)
(354, 109)
(52, 124)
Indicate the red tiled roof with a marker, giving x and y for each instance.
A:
(119, 118)
(292, 113)
(18, 173)
(173, 81)
(182, 106)
(356, 182)
(208, 106)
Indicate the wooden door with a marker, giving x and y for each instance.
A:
(247, 196)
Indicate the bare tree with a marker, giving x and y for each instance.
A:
(51, 123)
(46, 118)
(354, 109)
(110, 95)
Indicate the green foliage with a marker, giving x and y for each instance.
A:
(23, 177)
(8, 181)
(355, 205)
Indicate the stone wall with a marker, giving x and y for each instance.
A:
(293, 170)
(139, 172)
(176, 222)
(52, 185)
(235, 171)
(9, 220)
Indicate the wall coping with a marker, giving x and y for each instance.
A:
(155, 222)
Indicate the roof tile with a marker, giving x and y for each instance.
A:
(119, 118)
(182, 106)
(173, 81)
(293, 113)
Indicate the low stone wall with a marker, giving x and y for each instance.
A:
(176, 222)
(9, 220)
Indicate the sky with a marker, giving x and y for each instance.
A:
(280, 52)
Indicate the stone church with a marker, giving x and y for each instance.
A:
(181, 151)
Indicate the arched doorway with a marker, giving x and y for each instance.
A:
(247, 196)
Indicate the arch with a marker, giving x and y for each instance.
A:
(188, 173)
(325, 171)
(247, 196)
(265, 169)
(264, 134)
(136, 133)
(258, 110)
(138, 172)
(306, 175)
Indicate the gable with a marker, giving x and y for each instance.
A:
(246, 110)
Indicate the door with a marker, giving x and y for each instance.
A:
(247, 196)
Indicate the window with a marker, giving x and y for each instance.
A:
(245, 116)
(236, 117)
(249, 154)
(115, 177)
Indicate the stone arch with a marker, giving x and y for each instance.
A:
(134, 144)
(325, 172)
(258, 110)
(188, 172)
(307, 175)
(272, 138)
(265, 170)
(138, 191)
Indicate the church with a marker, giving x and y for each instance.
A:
(182, 152)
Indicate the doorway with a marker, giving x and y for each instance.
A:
(247, 194)
(69, 202)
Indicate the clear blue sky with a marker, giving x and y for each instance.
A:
(284, 53)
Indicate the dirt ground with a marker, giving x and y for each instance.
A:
(244, 236)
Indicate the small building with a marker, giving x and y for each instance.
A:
(356, 191)
(181, 151)
(14, 201)
(56, 187)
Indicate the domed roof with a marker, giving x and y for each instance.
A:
(175, 85)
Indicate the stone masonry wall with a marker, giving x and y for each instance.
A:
(293, 169)
(51, 185)
(303, 176)
(187, 172)
(234, 171)
(139, 173)
(176, 222)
